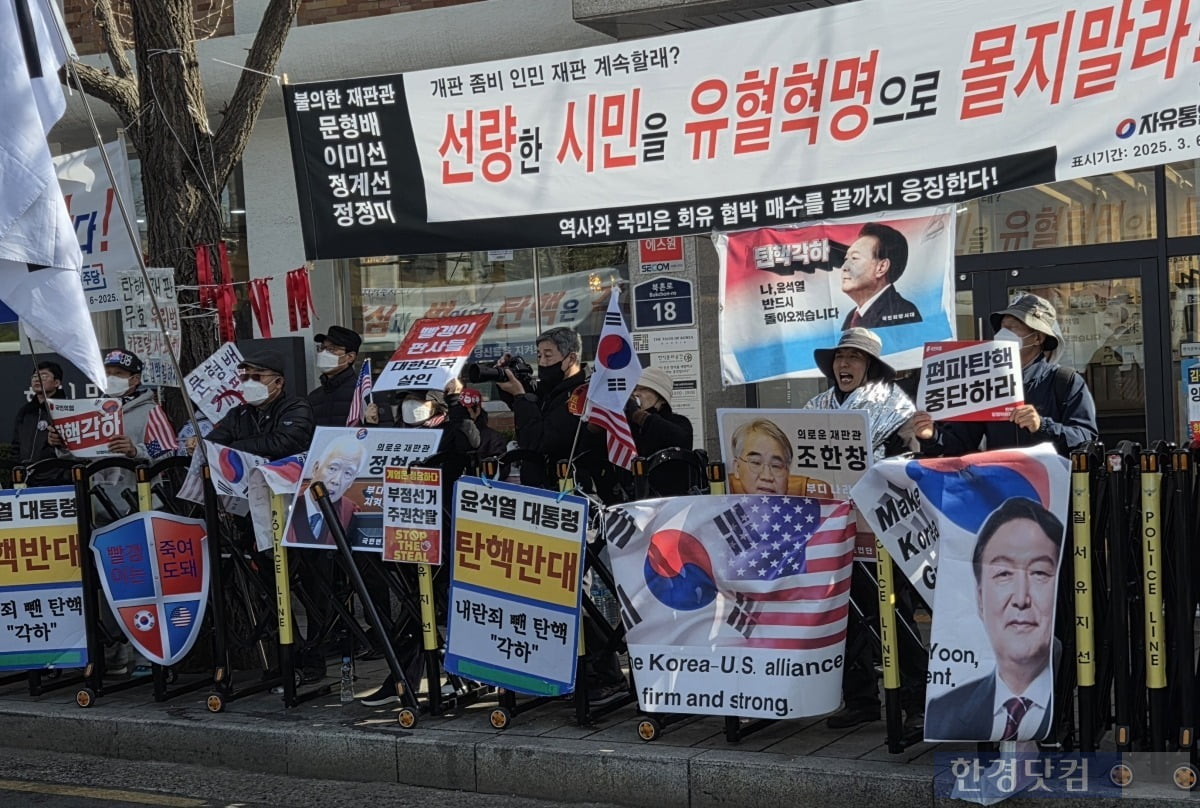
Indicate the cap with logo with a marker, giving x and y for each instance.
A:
(118, 358)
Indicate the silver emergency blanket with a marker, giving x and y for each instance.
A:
(887, 407)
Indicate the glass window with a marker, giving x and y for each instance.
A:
(525, 291)
(1098, 210)
(1183, 216)
(1185, 326)
(1101, 323)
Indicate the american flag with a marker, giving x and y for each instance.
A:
(362, 389)
(619, 440)
(786, 566)
(779, 568)
(160, 437)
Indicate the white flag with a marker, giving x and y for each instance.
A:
(617, 366)
(35, 228)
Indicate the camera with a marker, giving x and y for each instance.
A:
(480, 372)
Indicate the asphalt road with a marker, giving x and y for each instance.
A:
(58, 780)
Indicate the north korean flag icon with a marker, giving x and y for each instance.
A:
(154, 570)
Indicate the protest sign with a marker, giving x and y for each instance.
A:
(786, 292)
(143, 334)
(412, 515)
(41, 589)
(350, 461)
(86, 425)
(931, 515)
(91, 201)
(433, 352)
(515, 587)
(970, 380)
(153, 567)
(807, 453)
(214, 385)
(734, 605)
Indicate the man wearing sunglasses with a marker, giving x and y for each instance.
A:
(272, 423)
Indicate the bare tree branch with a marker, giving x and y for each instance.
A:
(114, 43)
(247, 100)
(119, 93)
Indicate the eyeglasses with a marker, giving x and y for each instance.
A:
(336, 350)
(256, 376)
(756, 465)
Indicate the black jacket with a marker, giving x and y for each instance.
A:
(890, 309)
(663, 429)
(330, 401)
(282, 428)
(546, 426)
(29, 438)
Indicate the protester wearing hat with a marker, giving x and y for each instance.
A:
(1058, 406)
(32, 426)
(655, 426)
(491, 442)
(337, 351)
(124, 371)
(272, 423)
(861, 380)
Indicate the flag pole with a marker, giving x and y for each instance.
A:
(130, 228)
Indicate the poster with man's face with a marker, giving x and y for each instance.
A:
(808, 453)
(349, 462)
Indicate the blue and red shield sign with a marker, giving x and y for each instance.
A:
(154, 570)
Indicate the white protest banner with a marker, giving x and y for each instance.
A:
(433, 352)
(842, 110)
(807, 453)
(734, 605)
(971, 380)
(214, 385)
(516, 585)
(930, 515)
(412, 515)
(786, 292)
(86, 425)
(143, 336)
(91, 202)
(350, 461)
(41, 588)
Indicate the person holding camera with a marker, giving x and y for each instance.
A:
(546, 415)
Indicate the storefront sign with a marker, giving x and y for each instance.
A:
(657, 255)
(892, 106)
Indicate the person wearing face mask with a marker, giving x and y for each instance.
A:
(655, 426)
(124, 382)
(861, 380)
(547, 425)
(272, 423)
(431, 409)
(1058, 405)
(337, 351)
(491, 442)
(31, 431)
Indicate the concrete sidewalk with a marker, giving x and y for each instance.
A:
(542, 754)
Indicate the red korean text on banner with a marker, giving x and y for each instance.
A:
(87, 425)
(433, 352)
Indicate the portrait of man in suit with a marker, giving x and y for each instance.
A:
(1015, 562)
(337, 467)
(873, 265)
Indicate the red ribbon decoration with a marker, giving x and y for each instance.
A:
(204, 278)
(299, 299)
(260, 304)
(225, 305)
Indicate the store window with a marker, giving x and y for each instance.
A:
(525, 291)
(1097, 210)
(1183, 215)
(1185, 329)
